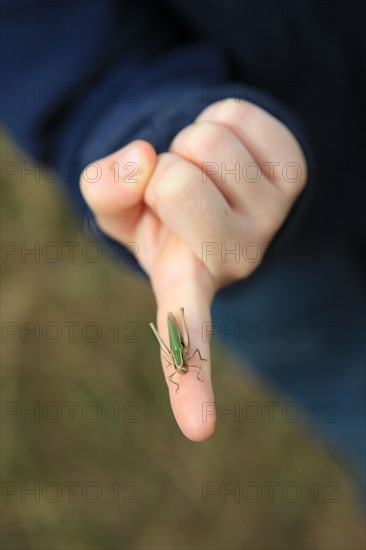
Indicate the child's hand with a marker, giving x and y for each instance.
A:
(228, 180)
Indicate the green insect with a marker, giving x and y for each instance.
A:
(178, 354)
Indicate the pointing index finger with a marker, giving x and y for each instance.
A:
(185, 354)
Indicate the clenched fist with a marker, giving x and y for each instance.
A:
(228, 179)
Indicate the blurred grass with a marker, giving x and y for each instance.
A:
(168, 469)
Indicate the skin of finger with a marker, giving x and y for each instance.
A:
(222, 157)
(190, 288)
(189, 209)
(115, 184)
(193, 210)
(267, 139)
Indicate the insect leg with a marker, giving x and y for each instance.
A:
(168, 359)
(160, 340)
(199, 353)
(199, 371)
(170, 380)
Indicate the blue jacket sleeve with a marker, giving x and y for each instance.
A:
(83, 78)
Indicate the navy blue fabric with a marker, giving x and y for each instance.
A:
(82, 78)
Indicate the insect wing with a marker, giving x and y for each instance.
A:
(175, 340)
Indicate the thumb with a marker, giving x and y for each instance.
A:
(114, 187)
(189, 287)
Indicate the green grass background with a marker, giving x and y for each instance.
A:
(168, 469)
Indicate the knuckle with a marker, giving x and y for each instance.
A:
(169, 181)
(267, 212)
(267, 226)
(294, 176)
(200, 140)
(237, 258)
(229, 110)
(232, 271)
(270, 221)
